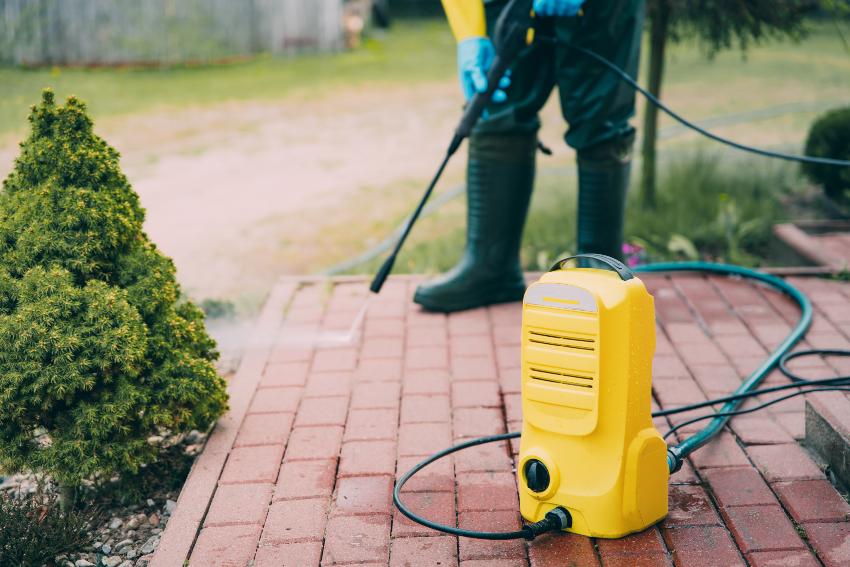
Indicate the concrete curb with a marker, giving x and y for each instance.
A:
(828, 432)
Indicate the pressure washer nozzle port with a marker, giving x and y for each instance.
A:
(536, 476)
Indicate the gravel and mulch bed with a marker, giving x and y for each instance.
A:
(124, 517)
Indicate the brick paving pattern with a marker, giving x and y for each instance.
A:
(301, 470)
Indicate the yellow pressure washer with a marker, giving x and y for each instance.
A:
(591, 460)
(588, 338)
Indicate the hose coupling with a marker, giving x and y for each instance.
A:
(674, 459)
(556, 519)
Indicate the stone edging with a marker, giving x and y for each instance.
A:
(197, 492)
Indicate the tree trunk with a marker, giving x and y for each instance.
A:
(659, 19)
(67, 497)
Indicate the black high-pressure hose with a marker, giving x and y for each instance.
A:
(556, 519)
(509, 39)
(625, 77)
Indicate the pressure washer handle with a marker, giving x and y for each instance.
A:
(470, 117)
(475, 108)
(622, 270)
(510, 37)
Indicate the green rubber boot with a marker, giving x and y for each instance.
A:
(603, 181)
(499, 180)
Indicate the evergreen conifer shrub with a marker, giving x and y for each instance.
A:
(97, 352)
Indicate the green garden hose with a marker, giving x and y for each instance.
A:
(677, 453)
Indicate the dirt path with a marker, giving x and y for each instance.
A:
(215, 180)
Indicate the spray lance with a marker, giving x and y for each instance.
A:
(510, 37)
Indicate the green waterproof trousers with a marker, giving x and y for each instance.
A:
(595, 103)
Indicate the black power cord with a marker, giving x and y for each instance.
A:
(802, 383)
(756, 408)
(559, 518)
(797, 381)
(812, 385)
(555, 519)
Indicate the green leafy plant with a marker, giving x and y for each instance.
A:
(737, 232)
(829, 137)
(96, 352)
(34, 529)
(682, 246)
(712, 209)
(218, 308)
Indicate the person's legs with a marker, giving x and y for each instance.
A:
(598, 105)
(499, 181)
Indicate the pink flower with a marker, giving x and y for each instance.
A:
(629, 248)
(634, 253)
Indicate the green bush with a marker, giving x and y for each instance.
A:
(96, 352)
(830, 137)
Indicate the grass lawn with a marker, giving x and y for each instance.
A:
(724, 210)
(408, 53)
(816, 69)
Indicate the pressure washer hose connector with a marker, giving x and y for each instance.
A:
(674, 458)
(555, 520)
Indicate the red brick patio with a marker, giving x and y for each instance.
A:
(300, 471)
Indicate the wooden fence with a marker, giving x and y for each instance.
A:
(116, 32)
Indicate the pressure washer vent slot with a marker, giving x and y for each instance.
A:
(561, 377)
(555, 339)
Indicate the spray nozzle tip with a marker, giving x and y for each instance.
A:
(382, 275)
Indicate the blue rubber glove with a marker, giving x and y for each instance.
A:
(548, 8)
(474, 57)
